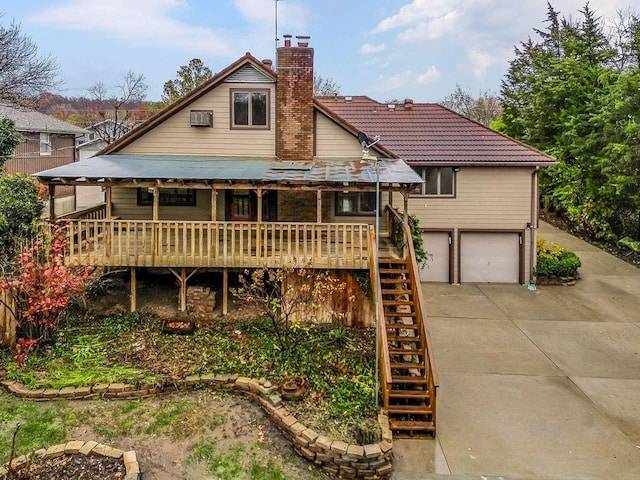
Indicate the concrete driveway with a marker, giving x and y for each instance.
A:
(540, 384)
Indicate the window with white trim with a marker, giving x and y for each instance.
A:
(355, 203)
(250, 109)
(45, 144)
(438, 181)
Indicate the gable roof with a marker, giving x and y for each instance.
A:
(28, 120)
(189, 98)
(430, 134)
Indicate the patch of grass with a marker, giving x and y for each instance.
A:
(227, 465)
(39, 427)
(337, 363)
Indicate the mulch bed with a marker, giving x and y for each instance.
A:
(622, 253)
(76, 466)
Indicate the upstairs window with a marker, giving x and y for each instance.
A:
(45, 144)
(438, 181)
(250, 109)
(356, 203)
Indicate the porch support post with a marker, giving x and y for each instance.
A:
(405, 214)
(225, 291)
(156, 204)
(259, 192)
(52, 203)
(390, 202)
(319, 206)
(214, 204)
(134, 288)
(109, 206)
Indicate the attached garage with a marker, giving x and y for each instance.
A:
(491, 257)
(438, 246)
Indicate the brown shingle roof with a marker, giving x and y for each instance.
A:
(430, 134)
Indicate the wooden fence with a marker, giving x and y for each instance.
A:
(7, 321)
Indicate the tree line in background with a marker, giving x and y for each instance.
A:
(574, 93)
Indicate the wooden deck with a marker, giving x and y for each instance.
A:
(129, 243)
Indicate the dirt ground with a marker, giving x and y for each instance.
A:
(163, 447)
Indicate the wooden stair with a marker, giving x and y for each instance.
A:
(409, 396)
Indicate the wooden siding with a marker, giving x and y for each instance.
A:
(334, 141)
(28, 160)
(124, 205)
(486, 199)
(175, 136)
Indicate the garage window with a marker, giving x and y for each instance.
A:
(438, 181)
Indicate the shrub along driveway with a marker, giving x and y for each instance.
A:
(536, 384)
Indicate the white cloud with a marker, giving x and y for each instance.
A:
(430, 75)
(430, 30)
(394, 82)
(478, 63)
(149, 23)
(368, 48)
(262, 12)
(415, 12)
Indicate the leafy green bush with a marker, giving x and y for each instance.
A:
(555, 261)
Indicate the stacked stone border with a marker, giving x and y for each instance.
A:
(335, 457)
(78, 447)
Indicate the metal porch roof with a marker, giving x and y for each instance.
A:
(105, 168)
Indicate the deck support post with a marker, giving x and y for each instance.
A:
(319, 206)
(52, 203)
(225, 291)
(134, 288)
(259, 193)
(183, 278)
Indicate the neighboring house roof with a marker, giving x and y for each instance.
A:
(28, 120)
(219, 169)
(430, 134)
(189, 98)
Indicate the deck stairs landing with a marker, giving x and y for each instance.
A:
(409, 401)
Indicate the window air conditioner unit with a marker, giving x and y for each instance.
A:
(201, 118)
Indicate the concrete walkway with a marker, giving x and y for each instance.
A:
(540, 384)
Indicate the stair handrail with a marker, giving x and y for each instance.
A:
(376, 289)
(410, 256)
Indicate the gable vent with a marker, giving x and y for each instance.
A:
(248, 74)
(201, 118)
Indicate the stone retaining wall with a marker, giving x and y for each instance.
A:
(132, 469)
(335, 457)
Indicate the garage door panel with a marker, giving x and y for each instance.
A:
(489, 257)
(436, 244)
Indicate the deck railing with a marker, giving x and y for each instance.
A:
(97, 212)
(144, 243)
(383, 342)
(421, 318)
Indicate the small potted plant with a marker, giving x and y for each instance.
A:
(293, 388)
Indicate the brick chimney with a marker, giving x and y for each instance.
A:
(294, 101)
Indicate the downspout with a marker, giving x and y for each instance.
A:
(533, 226)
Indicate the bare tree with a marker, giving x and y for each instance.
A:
(125, 95)
(624, 36)
(484, 109)
(23, 73)
(324, 87)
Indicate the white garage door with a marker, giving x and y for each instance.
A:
(489, 257)
(436, 244)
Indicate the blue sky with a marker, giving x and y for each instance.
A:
(386, 49)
